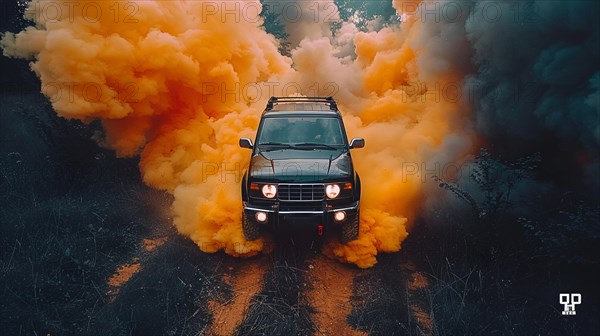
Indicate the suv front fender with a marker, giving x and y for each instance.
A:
(357, 190)
(245, 187)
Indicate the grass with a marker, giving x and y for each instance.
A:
(499, 259)
(495, 297)
(168, 295)
(380, 298)
(71, 214)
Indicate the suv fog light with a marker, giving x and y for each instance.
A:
(339, 216)
(261, 216)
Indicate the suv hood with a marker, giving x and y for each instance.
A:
(291, 165)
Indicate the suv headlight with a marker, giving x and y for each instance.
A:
(269, 190)
(332, 190)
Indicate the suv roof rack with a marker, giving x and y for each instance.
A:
(327, 100)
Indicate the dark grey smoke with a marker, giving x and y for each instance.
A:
(538, 76)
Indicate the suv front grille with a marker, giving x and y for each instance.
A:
(301, 192)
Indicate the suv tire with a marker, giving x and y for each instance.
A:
(250, 228)
(350, 229)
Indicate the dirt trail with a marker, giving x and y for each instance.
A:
(246, 280)
(127, 270)
(415, 284)
(331, 289)
(121, 276)
(151, 244)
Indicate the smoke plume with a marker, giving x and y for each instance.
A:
(151, 79)
(538, 79)
(176, 83)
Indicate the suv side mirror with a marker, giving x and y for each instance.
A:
(357, 143)
(246, 143)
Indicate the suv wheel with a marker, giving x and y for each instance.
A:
(350, 229)
(250, 228)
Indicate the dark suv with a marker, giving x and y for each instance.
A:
(301, 173)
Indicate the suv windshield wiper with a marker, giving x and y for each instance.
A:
(314, 144)
(275, 145)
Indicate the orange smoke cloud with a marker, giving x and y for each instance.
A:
(154, 80)
(156, 72)
(404, 115)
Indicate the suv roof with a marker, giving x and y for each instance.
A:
(301, 105)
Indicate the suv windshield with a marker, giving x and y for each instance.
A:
(309, 131)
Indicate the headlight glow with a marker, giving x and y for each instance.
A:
(269, 190)
(332, 190)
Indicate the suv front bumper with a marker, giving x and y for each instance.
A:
(278, 218)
